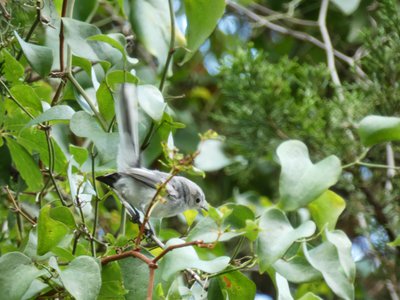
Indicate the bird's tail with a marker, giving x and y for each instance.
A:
(127, 112)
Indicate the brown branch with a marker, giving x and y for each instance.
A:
(173, 247)
(297, 34)
(150, 287)
(130, 253)
(3, 9)
(18, 209)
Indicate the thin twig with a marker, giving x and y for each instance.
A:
(297, 34)
(88, 100)
(16, 100)
(173, 247)
(18, 209)
(6, 14)
(329, 48)
(152, 204)
(285, 16)
(97, 200)
(130, 253)
(171, 52)
(33, 27)
(50, 148)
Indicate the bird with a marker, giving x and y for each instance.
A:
(135, 185)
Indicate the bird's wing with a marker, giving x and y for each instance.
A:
(152, 179)
(127, 113)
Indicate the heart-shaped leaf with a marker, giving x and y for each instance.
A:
(325, 259)
(187, 258)
(326, 209)
(50, 231)
(277, 235)
(283, 288)
(296, 270)
(379, 129)
(81, 278)
(343, 245)
(302, 181)
(17, 275)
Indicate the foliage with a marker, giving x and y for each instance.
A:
(65, 235)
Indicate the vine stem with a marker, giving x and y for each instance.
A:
(15, 100)
(171, 51)
(18, 209)
(97, 201)
(88, 100)
(50, 148)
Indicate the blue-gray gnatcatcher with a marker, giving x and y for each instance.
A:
(136, 186)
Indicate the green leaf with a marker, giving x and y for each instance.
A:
(347, 6)
(111, 282)
(211, 156)
(135, 274)
(104, 95)
(396, 242)
(378, 129)
(208, 231)
(237, 286)
(310, 296)
(59, 112)
(50, 231)
(277, 235)
(202, 17)
(25, 165)
(151, 22)
(76, 35)
(82, 277)
(325, 259)
(83, 63)
(84, 10)
(186, 257)
(63, 215)
(80, 154)
(151, 101)
(301, 181)
(27, 97)
(35, 288)
(12, 69)
(296, 270)
(239, 216)
(84, 125)
(326, 209)
(109, 40)
(39, 57)
(34, 140)
(17, 275)
(283, 288)
(343, 245)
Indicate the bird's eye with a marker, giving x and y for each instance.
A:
(198, 200)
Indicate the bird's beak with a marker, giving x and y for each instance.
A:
(205, 207)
